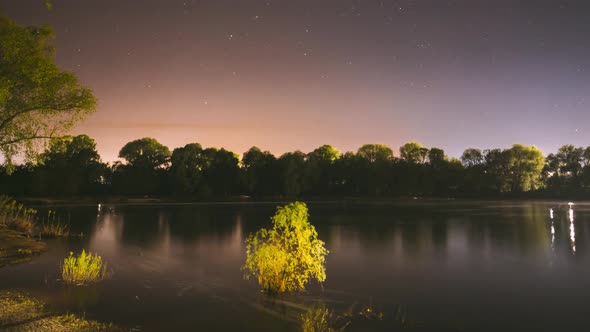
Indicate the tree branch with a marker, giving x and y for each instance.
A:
(6, 121)
(23, 139)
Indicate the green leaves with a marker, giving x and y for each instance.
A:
(145, 153)
(37, 99)
(286, 257)
(84, 269)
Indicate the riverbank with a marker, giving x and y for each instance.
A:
(17, 247)
(20, 313)
(171, 200)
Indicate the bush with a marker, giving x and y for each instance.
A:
(84, 269)
(286, 257)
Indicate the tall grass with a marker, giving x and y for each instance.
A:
(316, 319)
(16, 216)
(84, 269)
(53, 226)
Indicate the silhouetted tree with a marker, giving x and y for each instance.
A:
(220, 172)
(261, 172)
(145, 170)
(436, 157)
(186, 167)
(319, 169)
(292, 173)
(472, 157)
(70, 166)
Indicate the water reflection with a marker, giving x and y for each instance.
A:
(107, 234)
(572, 229)
(446, 259)
(552, 235)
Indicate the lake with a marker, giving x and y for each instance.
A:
(429, 265)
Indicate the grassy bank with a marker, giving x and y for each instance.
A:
(21, 313)
(17, 247)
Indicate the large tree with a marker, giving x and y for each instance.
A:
(145, 170)
(472, 157)
(413, 152)
(70, 166)
(220, 172)
(436, 157)
(287, 256)
(186, 167)
(319, 169)
(260, 172)
(38, 100)
(526, 165)
(291, 166)
(146, 153)
(375, 152)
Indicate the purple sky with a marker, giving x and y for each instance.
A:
(288, 75)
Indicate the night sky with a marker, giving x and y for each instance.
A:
(288, 75)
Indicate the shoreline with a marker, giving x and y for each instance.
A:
(245, 200)
(17, 247)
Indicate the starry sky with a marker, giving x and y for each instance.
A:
(287, 75)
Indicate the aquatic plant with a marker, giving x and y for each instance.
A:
(53, 227)
(21, 312)
(16, 216)
(287, 256)
(84, 269)
(316, 319)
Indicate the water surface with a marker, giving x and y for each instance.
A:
(468, 266)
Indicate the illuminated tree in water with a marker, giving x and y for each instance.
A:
(287, 256)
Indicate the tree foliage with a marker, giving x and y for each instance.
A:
(145, 153)
(38, 100)
(472, 157)
(413, 152)
(71, 166)
(287, 256)
(375, 152)
(187, 164)
(525, 166)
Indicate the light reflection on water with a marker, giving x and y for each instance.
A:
(572, 230)
(178, 266)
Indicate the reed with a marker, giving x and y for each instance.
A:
(53, 227)
(16, 216)
(316, 319)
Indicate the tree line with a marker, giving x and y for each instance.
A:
(39, 102)
(71, 166)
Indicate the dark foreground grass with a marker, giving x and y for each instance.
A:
(20, 313)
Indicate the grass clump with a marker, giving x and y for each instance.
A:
(316, 319)
(53, 227)
(84, 269)
(16, 216)
(21, 313)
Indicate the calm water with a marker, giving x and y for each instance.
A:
(486, 266)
